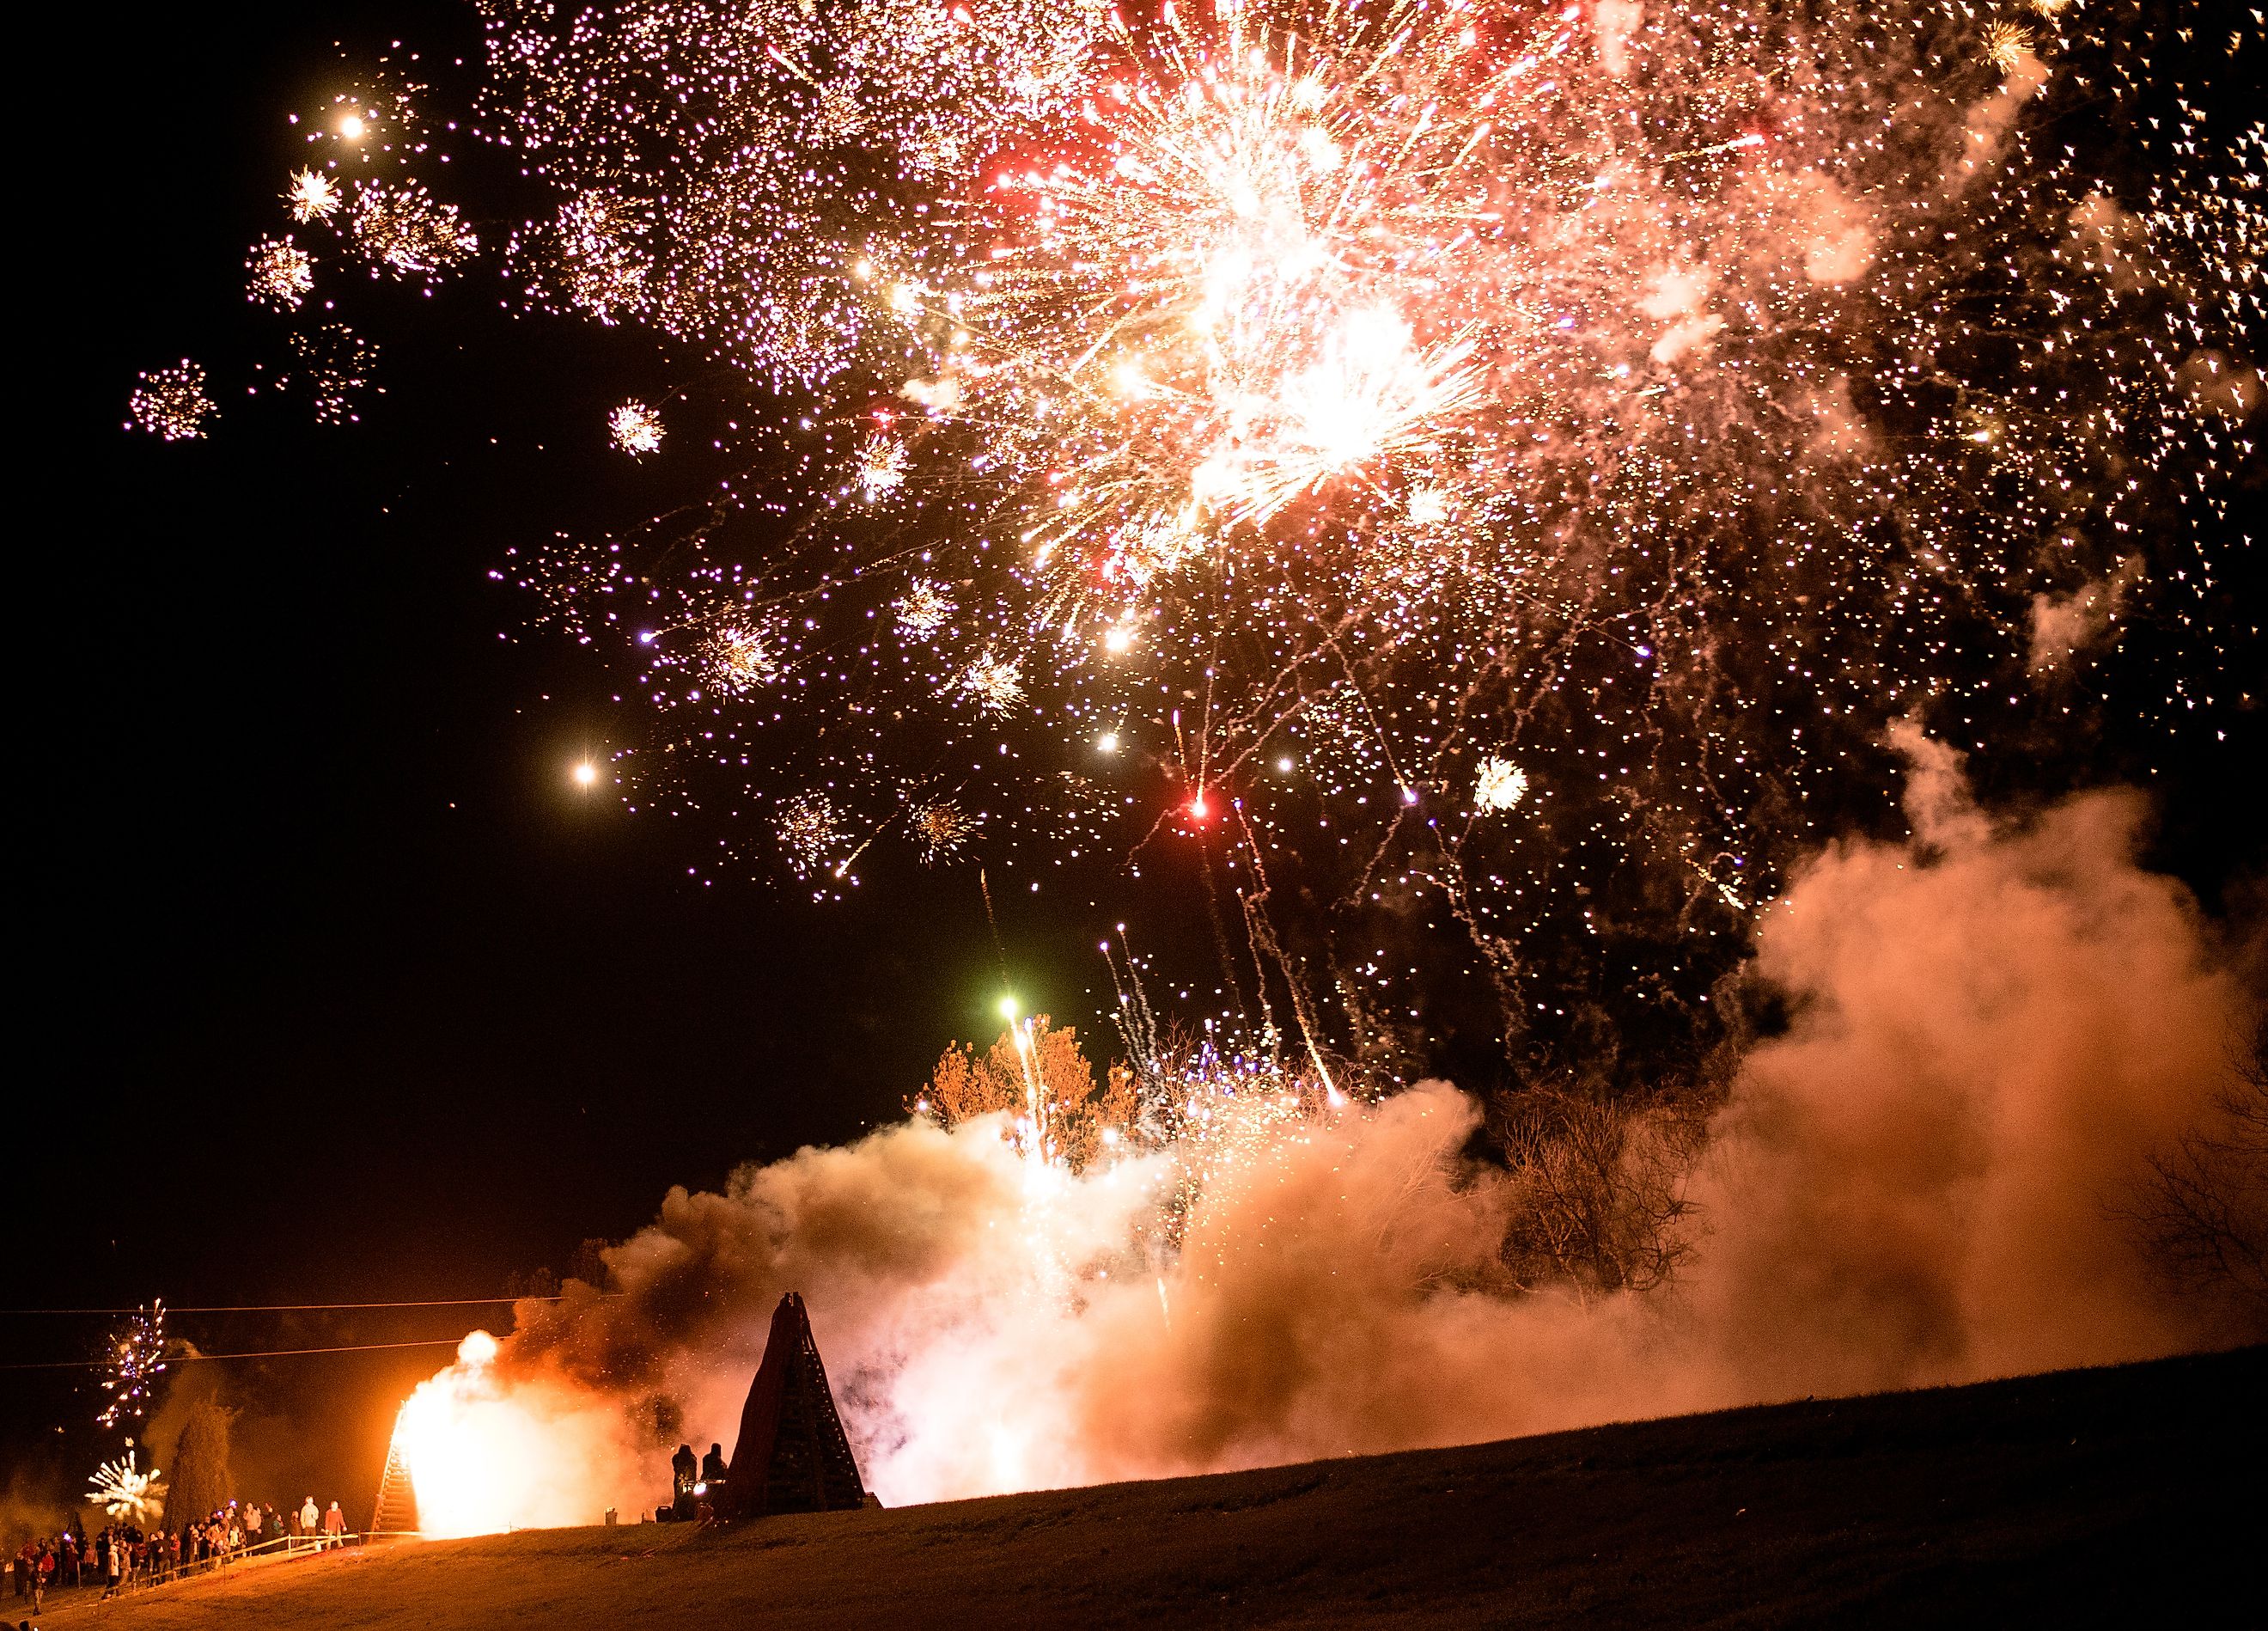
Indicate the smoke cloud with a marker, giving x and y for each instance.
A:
(1917, 1182)
(2063, 625)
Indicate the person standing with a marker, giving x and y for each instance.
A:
(335, 1525)
(684, 1471)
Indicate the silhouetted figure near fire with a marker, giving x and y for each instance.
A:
(684, 1471)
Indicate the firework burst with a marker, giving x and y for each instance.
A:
(2007, 44)
(1499, 786)
(126, 1492)
(333, 364)
(136, 1358)
(1407, 396)
(636, 429)
(810, 833)
(312, 196)
(1300, 433)
(922, 609)
(279, 274)
(943, 829)
(595, 255)
(881, 466)
(744, 658)
(993, 683)
(171, 403)
(401, 230)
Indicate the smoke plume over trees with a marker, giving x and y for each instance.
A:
(1925, 1169)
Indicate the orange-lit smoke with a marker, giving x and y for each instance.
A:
(1917, 1183)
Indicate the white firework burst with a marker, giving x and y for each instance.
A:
(1500, 784)
(312, 196)
(881, 465)
(743, 658)
(126, 1492)
(636, 428)
(993, 683)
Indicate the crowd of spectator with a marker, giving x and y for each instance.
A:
(120, 1555)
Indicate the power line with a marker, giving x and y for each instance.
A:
(280, 1308)
(273, 1353)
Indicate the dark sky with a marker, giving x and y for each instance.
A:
(336, 989)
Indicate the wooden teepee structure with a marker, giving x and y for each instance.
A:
(793, 1455)
(396, 1509)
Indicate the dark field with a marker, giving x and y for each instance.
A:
(2131, 1497)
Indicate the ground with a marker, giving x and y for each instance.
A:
(2131, 1496)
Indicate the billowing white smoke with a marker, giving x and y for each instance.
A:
(1918, 1182)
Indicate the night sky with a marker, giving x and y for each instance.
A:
(339, 990)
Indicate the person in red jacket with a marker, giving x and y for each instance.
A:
(335, 1525)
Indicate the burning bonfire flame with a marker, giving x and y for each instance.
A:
(483, 1457)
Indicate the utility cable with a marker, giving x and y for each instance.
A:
(272, 1353)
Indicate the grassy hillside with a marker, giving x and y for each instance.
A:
(2130, 1496)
